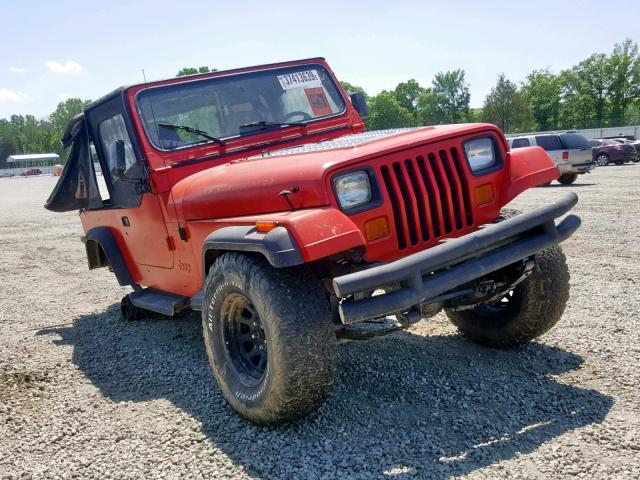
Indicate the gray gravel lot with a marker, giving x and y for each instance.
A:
(85, 395)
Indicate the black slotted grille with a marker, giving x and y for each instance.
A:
(429, 196)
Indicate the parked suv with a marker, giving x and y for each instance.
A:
(570, 151)
(606, 151)
(257, 197)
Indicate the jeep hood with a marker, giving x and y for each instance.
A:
(254, 185)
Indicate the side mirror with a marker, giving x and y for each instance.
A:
(359, 102)
(121, 161)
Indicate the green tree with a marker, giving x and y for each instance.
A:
(584, 93)
(386, 112)
(407, 94)
(623, 69)
(350, 88)
(506, 107)
(8, 144)
(58, 121)
(194, 70)
(453, 95)
(542, 90)
(430, 109)
(65, 111)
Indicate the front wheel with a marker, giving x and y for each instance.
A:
(568, 178)
(270, 339)
(529, 310)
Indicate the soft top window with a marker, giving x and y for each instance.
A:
(111, 130)
(229, 106)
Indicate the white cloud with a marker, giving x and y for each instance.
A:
(11, 96)
(18, 69)
(63, 96)
(69, 68)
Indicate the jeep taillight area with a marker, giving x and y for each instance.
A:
(257, 197)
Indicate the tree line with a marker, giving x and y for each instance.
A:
(27, 134)
(600, 91)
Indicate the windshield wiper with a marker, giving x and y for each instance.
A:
(264, 124)
(186, 128)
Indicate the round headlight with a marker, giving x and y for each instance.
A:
(352, 189)
(480, 154)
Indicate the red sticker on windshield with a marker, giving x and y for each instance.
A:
(318, 101)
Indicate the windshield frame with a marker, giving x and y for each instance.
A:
(248, 134)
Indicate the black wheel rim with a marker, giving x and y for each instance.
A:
(244, 338)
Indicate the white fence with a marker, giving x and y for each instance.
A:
(595, 132)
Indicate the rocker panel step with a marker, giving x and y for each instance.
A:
(197, 300)
(159, 302)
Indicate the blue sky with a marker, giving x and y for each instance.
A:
(50, 50)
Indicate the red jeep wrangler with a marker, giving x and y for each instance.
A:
(256, 196)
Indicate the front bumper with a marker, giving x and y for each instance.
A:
(432, 272)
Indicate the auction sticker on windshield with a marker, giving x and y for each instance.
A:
(318, 101)
(305, 79)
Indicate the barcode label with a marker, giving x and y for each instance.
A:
(308, 78)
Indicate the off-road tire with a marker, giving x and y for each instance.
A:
(539, 302)
(297, 330)
(568, 178)
(130, 312)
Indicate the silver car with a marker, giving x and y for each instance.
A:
(570, 151)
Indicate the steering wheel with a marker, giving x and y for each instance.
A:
(304, 115)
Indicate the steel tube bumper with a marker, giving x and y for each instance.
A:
(427, 274)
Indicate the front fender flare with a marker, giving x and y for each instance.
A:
(277, 246)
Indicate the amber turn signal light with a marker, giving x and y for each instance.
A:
(265, 227)
(376, 229)
(484, 194)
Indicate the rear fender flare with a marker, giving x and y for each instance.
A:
(103, 251)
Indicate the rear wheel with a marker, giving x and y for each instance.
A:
(602, 160)
(269, 337)
(568, 178)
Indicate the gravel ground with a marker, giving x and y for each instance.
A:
(84, 395)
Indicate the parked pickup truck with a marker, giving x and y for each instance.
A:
(257, 197)
(571, 152)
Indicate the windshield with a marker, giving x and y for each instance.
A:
(241, 104)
